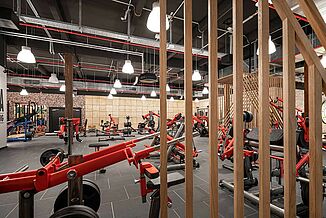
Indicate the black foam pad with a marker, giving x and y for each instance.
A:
(172, 178)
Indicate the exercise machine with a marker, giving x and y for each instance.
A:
(64, 126)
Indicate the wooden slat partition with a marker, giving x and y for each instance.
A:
(213, 107)
(263, 113)
(289, 120)
(237, 12)
(188, 107)
(163, 113)
(68, 73)
(315, 158)
(227, 96)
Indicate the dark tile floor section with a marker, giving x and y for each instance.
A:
(120, 196)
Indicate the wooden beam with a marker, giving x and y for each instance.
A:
(304, 46)
(68, 73)
(289, 120)
(188, 106)
(263, 112)
(238, 199)
(213, 106)
(163, 113)
(306, 90)
(227, 97)
(315, 158)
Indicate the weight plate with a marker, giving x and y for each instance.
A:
(91, 196)
(47, 155)
(305, 192)
(75, 211)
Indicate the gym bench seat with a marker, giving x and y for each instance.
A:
(172, 179)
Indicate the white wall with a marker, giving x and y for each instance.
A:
(3, 108)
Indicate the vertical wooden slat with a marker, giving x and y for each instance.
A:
(226, 99)
(188, 106)
(306, 89)
(238, 106)
(213, 106)
(289, 120)
(68, 73)
(263, 112)
(163, 112)
(315, 158)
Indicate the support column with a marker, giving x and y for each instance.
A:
(69, 88)
(3, 93)
(188, 106)
(289, 120)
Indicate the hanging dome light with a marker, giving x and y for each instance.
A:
(23, 92)
(117, 84)
(127, 67)
(196, 100)
(143, 98)
(196, 76)
(171, 98)
(181, 97)
(205, 91)
(110, 96)
(53, 78)
(62, 88)
(323, 60)
(153, 20)
(269, 2)
(26, 55)
(113, 91)
(153, 93)
(168, 88)
(271, 46)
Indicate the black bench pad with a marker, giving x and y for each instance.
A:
(276, 136)
(94, 145)
(173, 179)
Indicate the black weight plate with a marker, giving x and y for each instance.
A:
(47, 155)
(305, 192)
(91, 196)
(75, 211)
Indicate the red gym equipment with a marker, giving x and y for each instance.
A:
(75, 122)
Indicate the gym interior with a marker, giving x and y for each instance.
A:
(145, 108)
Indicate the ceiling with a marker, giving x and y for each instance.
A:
(108, 15)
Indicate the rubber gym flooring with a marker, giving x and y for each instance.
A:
(120, 197)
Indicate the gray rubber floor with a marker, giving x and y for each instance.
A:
(120, 197)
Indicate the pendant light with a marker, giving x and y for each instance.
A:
(53, 78)
(168, 88)
(62, 88)
(143, 98)
(113, 91)
(271, 46)
(205, 91)
(26, 55)
(127, 67)
(171, 98)
(117, 84)
(153, 93)
(196, 76)
(323, 60)
(110, 96)
(153, 20)
(269, 2)
(181, 97)
(23, 92)
(196, 100)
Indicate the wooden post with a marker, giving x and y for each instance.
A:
(69, 72)
(188, 106)
(238, 107)
(306, 90)
(315, 158)
(213, 107)
(263, 112)
(289, 120)
(226, 99)
(163, 113)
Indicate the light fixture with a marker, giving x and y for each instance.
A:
(62, 88)
(153, 93)
(269, 2)
(127, 67)
(23, 92)
(271, 46)
(168, 88)
(113, 91)
(143, 98)
(323, 60)
(196, 76)
(196, 100)
(26, 55)
(110, 96)
(153, 20)
(205, 91)
(117, 84)
(171, 98)
(181, 97)
(53, 78)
